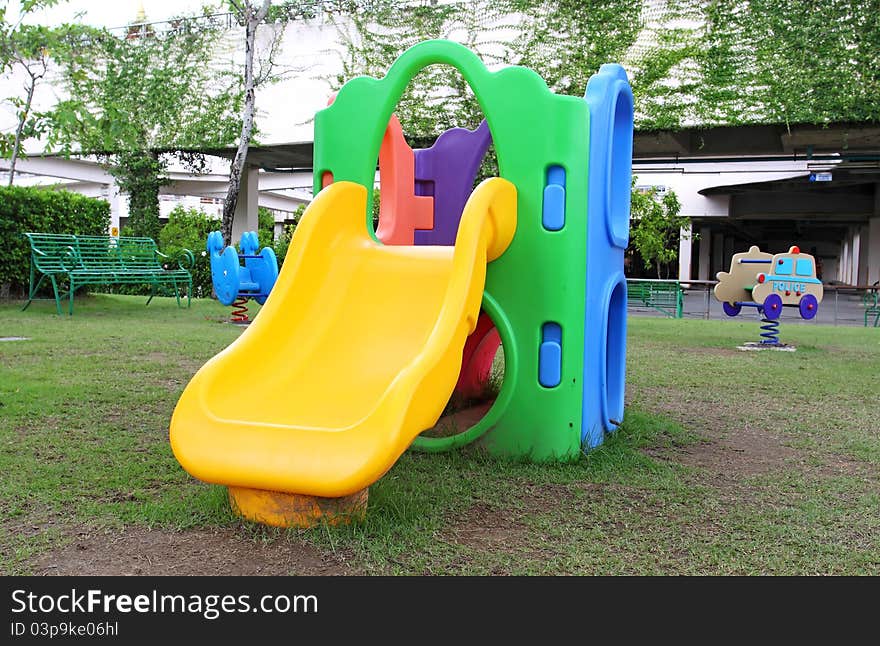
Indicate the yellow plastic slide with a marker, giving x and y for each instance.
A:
(356, 351)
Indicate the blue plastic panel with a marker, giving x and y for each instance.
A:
(553, 213)
(550, 355)
(804, 267)
(783, 267)
(604, 359)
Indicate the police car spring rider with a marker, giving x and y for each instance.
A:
(769, 283)
(235, 283)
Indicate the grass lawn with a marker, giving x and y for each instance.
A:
(727, 463)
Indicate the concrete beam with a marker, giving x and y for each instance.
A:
(804, 204)
(277, 181)
(71, 169)
(279, 202)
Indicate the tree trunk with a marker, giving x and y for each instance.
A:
(20, 129)
(252, 17)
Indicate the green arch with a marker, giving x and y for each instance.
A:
(541, 277)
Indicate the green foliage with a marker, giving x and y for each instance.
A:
(156, 92)
(265, 227)
(786, 61)
(655, 228)
(189, 229)
(26, 209)
(27, 50)
(377, 200)
(282, 242)
(137, 95)
(690, 62)
(140, 174)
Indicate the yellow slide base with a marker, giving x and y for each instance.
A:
(355, 352)
(294, 510)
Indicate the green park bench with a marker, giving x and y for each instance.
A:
(665, 296)
(103, 260)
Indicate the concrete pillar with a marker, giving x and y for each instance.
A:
(856, 251)
(246, 209)
(864, 250)
(872, 243)
(703, 270)
(718, 253)
(684, 253)
(842, 267)
(873, 251)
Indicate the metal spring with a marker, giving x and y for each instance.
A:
(770, 335)
(240, 310)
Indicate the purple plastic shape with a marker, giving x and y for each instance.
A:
(447, 171)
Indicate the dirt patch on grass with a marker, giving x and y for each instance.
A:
(485, 528)
(741, 453)
(140, 551)
(731, 446)
(838, 465)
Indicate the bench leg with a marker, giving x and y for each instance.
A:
(189, 291)
(32, 289)
(152, 293)
(57, 296)
(72, 290)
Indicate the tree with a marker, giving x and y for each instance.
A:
(656, 227)
(249, 16)
(26, 48)
(143, 97)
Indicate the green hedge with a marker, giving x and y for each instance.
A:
(24, 209)
(189, 229)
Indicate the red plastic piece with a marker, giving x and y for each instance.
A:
(794, 249)
(761, 278)
(476, 359)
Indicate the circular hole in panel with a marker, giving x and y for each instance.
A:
(479, 382)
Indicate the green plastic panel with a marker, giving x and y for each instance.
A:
(541, 276)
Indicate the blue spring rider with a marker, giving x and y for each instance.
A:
(235, 283)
